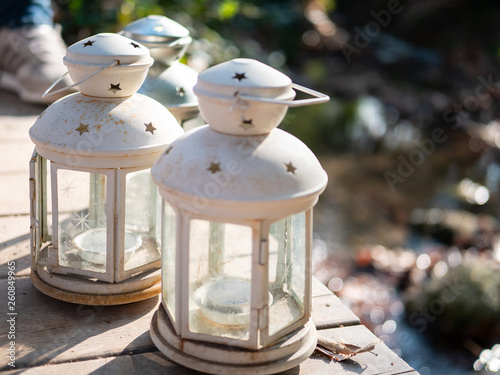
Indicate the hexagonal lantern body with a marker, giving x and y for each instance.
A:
(236, 278)
(168, 81)
(90, 178)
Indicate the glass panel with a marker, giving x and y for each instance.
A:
(169, 251)
(220, 258)
(287, 240)
(82, 220)
(298, 252)
(142, 227)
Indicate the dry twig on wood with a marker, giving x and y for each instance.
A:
(339, 350)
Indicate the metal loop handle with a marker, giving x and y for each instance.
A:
(185, 40)
(318, 98)
(48, 93)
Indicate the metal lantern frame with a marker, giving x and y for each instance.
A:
(258, 338)
(253, 179)
(114, 214)
(271, 352)
(169, 81)
(108, 136)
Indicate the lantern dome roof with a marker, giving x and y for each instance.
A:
(173, 87)
(230, 96)
(245, 177)
(103, 48)
(108, 65)
(79, 130)
(240, 74)
(166, 39)
(155, 29)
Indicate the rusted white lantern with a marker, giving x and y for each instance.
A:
(168, 81)
(236, 277)
(95, 223)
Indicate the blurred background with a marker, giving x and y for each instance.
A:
(406, 232)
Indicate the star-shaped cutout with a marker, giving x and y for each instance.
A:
(88, 43)
(239, 76)
(150, 128)
(180, 91)
(135, 45)
(167, 151)
(247, 124)
(115, 88)
(290, 168)
(83, 128)
(214, 168)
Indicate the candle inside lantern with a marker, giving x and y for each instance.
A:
(91, 245)
(226, 301)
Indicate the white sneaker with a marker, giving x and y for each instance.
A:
(31, 60)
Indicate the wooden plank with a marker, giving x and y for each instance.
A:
(14, 244)
(380, 361)
(329, 312)
(384, 362)
(56, 331)
(50, 331)
(57, 337)
(16, 149)
(16, 154)
(16, 118)
(145, 363)
(319, 289)
(14, 192)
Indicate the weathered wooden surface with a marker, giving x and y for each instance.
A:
(15, 150)
(51, 331)
(77, 338)
(379, 361)
(14, 243)
(54, 337)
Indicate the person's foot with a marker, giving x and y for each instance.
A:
(31, 59)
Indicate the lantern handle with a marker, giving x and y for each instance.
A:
(182, 40)
(318, 98)
(48, 93)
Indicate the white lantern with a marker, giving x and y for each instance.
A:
(90, 178)
(236, 277)
(168, 81)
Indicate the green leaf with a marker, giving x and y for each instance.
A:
(228, 9)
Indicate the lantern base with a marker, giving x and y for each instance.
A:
(229, 360)
(78, 290)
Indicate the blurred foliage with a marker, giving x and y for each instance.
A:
(429, 49)
(251, 28)
(463, 303)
